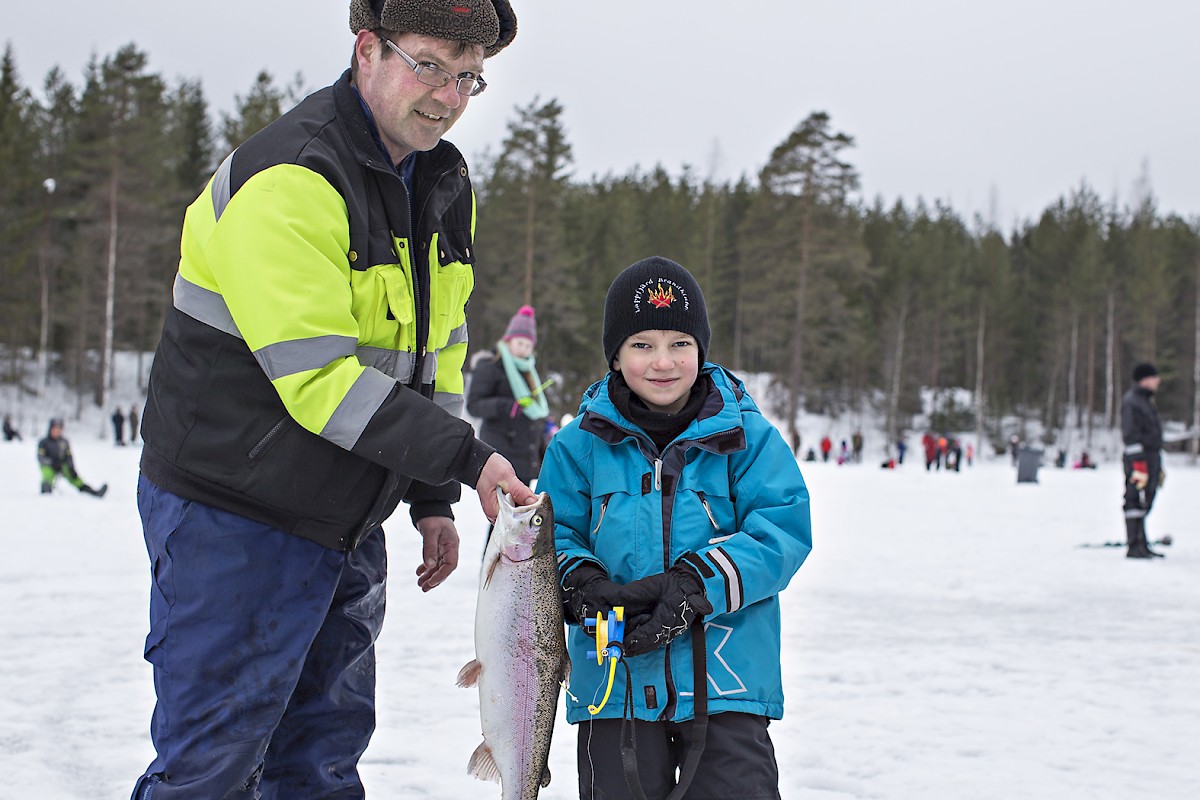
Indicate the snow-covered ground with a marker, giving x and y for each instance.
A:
(947, 639)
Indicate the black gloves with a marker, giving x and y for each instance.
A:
(588, 591)
(676, 599)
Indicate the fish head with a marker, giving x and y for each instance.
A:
(524, 532)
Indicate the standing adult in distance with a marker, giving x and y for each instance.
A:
(1141, 431)
(308, 380)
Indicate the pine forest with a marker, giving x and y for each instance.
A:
(850, 303)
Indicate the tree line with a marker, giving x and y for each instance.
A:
(855, 306)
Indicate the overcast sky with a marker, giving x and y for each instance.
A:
(996, 108)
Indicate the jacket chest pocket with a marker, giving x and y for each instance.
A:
(452, 276)
(704, 501)
(626, 524)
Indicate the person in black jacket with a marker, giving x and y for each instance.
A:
(1141, 431)
(10, 431)
(54, 456)
(506, 394)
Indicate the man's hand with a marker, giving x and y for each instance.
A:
(497, 472)
(439, 551)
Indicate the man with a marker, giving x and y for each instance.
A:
(1142, 434)
(308, 379)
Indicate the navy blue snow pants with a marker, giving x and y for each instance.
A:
(263, 652)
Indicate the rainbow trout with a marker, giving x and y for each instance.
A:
(520, 650)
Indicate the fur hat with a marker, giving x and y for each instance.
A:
(654, 294)
(523, 323)
(1143, 371)
(490, 23)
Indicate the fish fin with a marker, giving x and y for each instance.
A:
(545, 777)
(482, 765)
(487, 578)
(469, 674)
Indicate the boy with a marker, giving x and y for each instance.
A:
(674, 497)
(54, 456)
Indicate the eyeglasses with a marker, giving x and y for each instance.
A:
(433, 75)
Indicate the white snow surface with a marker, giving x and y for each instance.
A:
(947, 639)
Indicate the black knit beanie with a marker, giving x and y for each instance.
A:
(490, 23)
(1143, 371)
(654, 294)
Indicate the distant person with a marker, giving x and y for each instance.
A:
(54, 456)
(1141, 432)
(856, 444)
(508, 396)
(133, 424)
(930, 446)
(118, 423)
(10, 431)
(901, 449)
(811, 455)
(1085, 461)
(1014, 445)
(826, 447)
(970, 453)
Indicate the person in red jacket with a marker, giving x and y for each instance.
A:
(826, 448)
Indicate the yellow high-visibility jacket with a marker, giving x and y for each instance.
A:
(309, 374)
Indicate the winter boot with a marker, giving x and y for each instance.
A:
(94, 492)
(1146, 542)
(1135, 539)
(46, 488)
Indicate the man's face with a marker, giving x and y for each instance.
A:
(409, 114)
(1152, 382)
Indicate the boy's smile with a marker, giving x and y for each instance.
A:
(660, 367)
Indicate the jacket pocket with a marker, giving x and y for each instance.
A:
(453, 275)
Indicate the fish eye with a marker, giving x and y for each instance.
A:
(537, 519)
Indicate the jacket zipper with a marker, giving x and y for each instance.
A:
(422, 324)
(603, 508)
(266, 440)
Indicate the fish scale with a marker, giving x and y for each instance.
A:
(520, 650)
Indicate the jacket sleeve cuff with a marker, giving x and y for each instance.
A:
(468, 464)
(429, 508)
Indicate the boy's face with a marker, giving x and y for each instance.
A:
(660, 367)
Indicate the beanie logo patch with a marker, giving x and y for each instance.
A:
(654, 293)
(461, 10)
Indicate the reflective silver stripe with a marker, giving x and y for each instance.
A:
(300, 355)
(457, 336)
(1133, 449)
(220, 186)
(357, 407)
(204, 305)
(397, 364)
(429, 368)
(453, 403)
(733, 581)
(1135, 513)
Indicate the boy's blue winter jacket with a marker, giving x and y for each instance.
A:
(728, 489)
